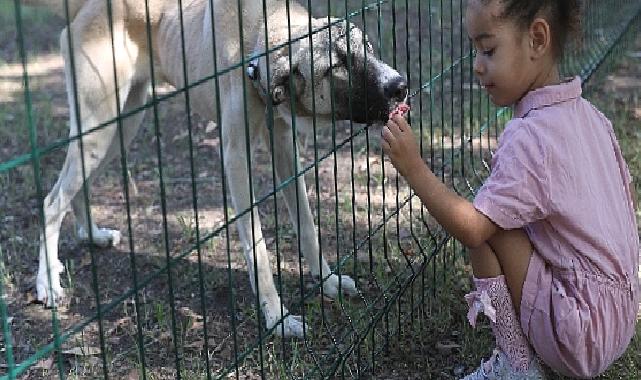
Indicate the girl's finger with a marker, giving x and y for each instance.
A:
(392, 126)
(386, 147)
(400, 122)
(386, 133)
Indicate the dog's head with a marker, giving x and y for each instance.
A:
(336, 67)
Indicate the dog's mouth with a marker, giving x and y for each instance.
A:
(373, 103)
(395, 106)
(399, 106)
(377, 114)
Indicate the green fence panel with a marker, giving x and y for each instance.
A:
(172, 299)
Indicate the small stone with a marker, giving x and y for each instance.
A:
(459, 370)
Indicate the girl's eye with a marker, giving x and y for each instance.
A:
(488, 53)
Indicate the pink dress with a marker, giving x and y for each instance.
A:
(558, 173)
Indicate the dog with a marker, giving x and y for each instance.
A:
(98, 90)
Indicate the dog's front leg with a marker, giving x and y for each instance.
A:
(286, 160)
(235, 156)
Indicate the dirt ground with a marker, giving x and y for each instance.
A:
(423, 336)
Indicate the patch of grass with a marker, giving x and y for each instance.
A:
(188, 227)
(32, 14)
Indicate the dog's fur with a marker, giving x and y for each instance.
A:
(94, 92)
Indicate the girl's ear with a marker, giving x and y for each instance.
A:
(540, 37)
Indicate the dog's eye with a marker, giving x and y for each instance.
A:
(329, 70)
(335, 66)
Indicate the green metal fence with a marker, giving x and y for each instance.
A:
(173, 299)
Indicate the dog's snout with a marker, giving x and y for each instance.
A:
(396, 89)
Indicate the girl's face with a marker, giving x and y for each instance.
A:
(503, 62)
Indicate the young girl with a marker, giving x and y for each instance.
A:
(552, 233)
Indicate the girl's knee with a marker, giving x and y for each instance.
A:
(484, 261)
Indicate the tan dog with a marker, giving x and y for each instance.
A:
(376, 91)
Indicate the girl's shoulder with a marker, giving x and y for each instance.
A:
(563, 120)
(598, 114)
(523, 138)
(522, 131)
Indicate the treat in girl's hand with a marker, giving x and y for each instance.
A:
(401, 109)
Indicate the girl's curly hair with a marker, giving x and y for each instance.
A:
(564, 17)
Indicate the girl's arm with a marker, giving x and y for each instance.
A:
(456, 214)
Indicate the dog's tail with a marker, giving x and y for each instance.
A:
(58, 6)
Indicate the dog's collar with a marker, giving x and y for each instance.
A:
(253, 73)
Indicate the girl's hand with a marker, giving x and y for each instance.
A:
(400, 145)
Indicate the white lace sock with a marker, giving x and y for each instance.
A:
(492, 297)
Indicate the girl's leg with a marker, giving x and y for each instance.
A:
(506, 253)
(500, 267)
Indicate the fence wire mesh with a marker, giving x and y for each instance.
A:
(172, 299)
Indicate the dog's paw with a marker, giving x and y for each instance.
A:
(291, 325)
(102, 237)
(347, 286)
(50, 296)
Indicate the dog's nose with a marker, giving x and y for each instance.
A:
(396, 89)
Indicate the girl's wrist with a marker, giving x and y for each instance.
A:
(416, 170)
